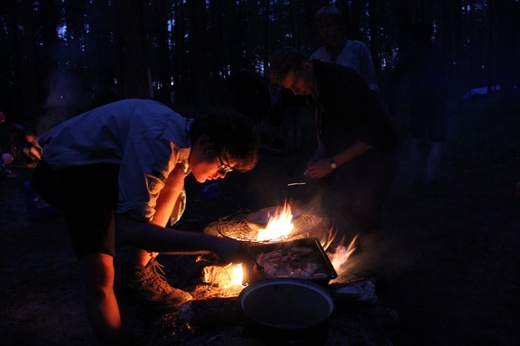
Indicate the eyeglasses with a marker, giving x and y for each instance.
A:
(222, 166)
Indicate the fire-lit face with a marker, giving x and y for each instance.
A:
(207, 164)
(301, 82)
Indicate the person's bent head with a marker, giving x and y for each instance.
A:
(228, 135)
(291, 69)
(283, 61)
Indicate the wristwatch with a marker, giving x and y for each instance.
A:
(333, 164)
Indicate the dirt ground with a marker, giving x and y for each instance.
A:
(451, 253)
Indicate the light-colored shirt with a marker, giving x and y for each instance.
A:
(145, 137)
(354, 55)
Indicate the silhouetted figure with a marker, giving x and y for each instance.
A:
(426, 70)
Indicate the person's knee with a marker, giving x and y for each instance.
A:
(98, 274)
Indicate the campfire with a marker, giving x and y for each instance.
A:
(262, 229)
(301, 243)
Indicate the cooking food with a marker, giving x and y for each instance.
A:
(302, 259)
(295, 262)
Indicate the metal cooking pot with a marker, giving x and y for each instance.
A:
(286, 312)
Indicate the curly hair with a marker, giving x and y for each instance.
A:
(232, 135)
(283, 61)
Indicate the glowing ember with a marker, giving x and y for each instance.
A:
(279, 225)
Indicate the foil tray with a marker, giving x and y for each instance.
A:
(317, 258)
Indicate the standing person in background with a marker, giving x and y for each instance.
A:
(358, 148)
(120, 169)
(340, 50)
(426, 69)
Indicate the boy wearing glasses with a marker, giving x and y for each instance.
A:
(121, 168)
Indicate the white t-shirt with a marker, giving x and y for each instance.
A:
(354, 55)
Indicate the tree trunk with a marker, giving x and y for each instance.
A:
(507, 47)
(373, 43)
(101, 56)
(160, 11)
(133, 63)
(198, 51)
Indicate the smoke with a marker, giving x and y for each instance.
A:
(381, 252)
(64, 100)
(66, 94)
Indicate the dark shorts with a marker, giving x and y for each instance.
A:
(428, 118)
(88, 196)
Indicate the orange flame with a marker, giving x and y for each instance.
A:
(227, 277)
(279, 225)
(339, 258)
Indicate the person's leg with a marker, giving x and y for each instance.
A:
(437, 128)
(97, 274)
(142, 275)
(93, 239)
(420, 110)
(415, 154)
(434, 159)
(88, 196)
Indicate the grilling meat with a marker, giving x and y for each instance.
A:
(295, 262)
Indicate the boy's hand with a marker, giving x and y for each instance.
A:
(230, 251)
